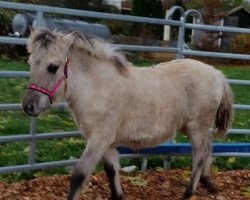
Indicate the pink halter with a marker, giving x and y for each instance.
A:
(50, 93)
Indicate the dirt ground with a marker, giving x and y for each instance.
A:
(155, 185)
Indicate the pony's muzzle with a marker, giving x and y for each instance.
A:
(30, 104)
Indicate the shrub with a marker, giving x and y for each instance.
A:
(119, 27)
(240, 43)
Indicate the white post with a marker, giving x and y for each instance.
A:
(167, 29)
(220, 39)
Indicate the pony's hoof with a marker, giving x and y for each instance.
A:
(116, 197)
(193, 197)
(209, 186)
(212, 190)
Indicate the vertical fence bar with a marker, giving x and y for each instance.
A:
(144, 164)
(39, 21)
(181, 31)
(167, 162)
(32, 143)
(180, 41)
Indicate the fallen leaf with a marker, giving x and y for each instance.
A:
(138, 181)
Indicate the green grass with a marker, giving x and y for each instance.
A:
(16, 122)
(13, 65)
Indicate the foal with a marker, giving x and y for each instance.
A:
(114, 103)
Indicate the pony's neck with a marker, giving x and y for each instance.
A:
(75, 86)
(87, 76)
(77, 75)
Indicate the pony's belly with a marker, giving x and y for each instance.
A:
(145, 140)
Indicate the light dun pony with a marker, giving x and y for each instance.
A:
(114, 103)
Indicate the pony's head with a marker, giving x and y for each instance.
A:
(48, 63)
(49, 60)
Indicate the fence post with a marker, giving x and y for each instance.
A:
(197, 17)
(181, 28)
(39, 20)
(180, 41)
(144, 164)
(167, 162)
(32, 143)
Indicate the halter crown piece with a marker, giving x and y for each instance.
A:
(50, 93)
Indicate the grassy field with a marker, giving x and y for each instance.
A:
(15, 122)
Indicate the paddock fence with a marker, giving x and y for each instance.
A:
(168, 149)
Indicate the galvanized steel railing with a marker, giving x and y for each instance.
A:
(179, 50)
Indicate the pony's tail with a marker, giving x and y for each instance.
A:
(225, 113)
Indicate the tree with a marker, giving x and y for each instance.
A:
(230, 4)
(167, 4)
(176, 15)
(93, 5)
(225, 5)
(246, 4)
(148, 8)
(56, 3)
(195, 4)
(76, 4)
(211, 16)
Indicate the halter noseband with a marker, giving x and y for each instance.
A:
(50, 93)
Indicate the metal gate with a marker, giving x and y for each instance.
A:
(225, 149)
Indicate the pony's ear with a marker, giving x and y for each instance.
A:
(69, 38)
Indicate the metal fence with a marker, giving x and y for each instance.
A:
(226, 149)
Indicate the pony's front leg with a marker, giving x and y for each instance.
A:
(111, 166)
(90, 157)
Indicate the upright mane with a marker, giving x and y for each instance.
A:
(42, 38)
(97, 47)
(91, 45)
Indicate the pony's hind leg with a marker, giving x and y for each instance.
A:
(200, 150)
(111, 166)
(204, 180)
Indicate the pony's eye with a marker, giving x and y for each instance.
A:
(52, 68)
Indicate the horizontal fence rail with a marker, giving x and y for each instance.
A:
(88, 14)
(118, 17)
(60, 135)
(45, 165)
(18, 106)
(107, 16)
(8, 40)
(216, 55)
(40, 136)
(219, 149)
(13, 40)
(225, 149)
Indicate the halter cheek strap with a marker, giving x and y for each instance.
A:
(50, 93)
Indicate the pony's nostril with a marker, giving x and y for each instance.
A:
(31, 108)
